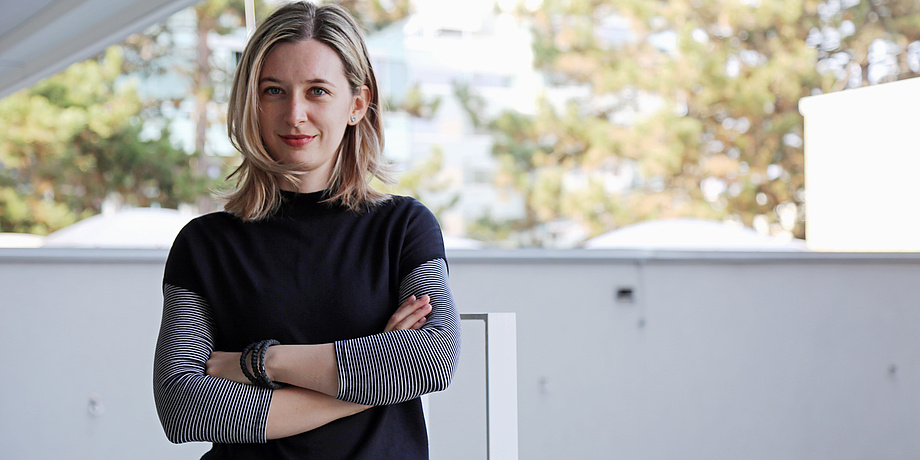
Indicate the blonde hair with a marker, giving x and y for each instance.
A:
(359, 157)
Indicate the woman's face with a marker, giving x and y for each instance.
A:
(305, 105)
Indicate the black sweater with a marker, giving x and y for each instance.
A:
(312, 273)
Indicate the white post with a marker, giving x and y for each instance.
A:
(501, 383)
(250, 17)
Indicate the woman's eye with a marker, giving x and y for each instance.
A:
(274, 91)
(318, 91)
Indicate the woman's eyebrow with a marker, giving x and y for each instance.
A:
(314, 81)
(319, 81)
(269, 80)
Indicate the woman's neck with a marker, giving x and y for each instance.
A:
(305, 184)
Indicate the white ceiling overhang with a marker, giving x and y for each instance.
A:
(39, 38)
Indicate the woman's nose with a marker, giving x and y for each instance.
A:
(296, 112)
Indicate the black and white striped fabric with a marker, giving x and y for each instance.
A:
(194, 406)
(401, 365)
(382, 369)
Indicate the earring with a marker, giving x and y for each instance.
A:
(353, 119)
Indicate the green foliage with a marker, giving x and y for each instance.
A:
(473, 104)
(72, 140)
(416, 104)
(377, 14)
(691, 93)
(424, 181)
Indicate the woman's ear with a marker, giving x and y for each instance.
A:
(360, 105)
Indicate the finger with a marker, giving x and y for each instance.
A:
(404, 310)
(410, 321)
(408, 316)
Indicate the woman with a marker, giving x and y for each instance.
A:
(352, 283)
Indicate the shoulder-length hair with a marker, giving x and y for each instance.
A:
(359, 158)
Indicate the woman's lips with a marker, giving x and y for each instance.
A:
(296, 140)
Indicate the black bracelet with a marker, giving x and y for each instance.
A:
(254, 361)
(246, 352)
(263, 376)
(256, 355)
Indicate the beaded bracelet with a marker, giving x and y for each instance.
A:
(256, 354)
(263, 376)
(254, 361)
(247, 352)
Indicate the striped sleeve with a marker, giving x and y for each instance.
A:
(397, 366)
(193, 406)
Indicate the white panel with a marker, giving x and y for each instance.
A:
(861, 163)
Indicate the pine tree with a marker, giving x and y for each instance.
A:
(73, 139)
(695, 100)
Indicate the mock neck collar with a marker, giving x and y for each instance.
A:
(299, 204)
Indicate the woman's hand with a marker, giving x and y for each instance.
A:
(410, 315)
(225, 365)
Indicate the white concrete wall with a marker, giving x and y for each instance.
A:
(729, 356)
(76, 328)
(783, 356)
